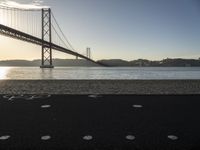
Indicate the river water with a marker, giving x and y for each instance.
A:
(71, 73)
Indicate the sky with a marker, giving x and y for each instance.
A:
(120, 29)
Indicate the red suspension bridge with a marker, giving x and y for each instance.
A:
(40, 27)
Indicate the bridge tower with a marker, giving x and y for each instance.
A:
(88, 52)
(46, 36)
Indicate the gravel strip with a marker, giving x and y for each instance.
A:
(100, 87)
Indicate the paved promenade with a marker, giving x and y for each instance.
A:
(99, 122)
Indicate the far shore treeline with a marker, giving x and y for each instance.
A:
(179, 62)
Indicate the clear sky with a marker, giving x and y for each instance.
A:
(121, 29)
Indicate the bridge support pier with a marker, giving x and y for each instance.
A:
(46, 36)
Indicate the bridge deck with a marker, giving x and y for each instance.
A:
(10, 32)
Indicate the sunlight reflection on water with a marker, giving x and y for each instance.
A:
(3, 72)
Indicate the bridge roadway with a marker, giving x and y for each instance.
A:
(10, 32)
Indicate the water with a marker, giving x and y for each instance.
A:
(100, 73)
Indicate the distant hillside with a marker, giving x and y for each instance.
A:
(56, 62)
(19, 63)
(148, 63)
(110, 62)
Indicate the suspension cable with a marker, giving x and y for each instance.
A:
(63, 33)
(59, 36)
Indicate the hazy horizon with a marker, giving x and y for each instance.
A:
(114, 29)
(98, 59)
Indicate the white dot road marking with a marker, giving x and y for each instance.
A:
(94, 96)
(5, 137)
(87, 137)
(172, 137)
(130, 137)
(46, 137)
(137, 106)
(45, 106)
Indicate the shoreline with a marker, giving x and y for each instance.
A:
(81, 87)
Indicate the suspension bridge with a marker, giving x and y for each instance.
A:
(40, 27)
